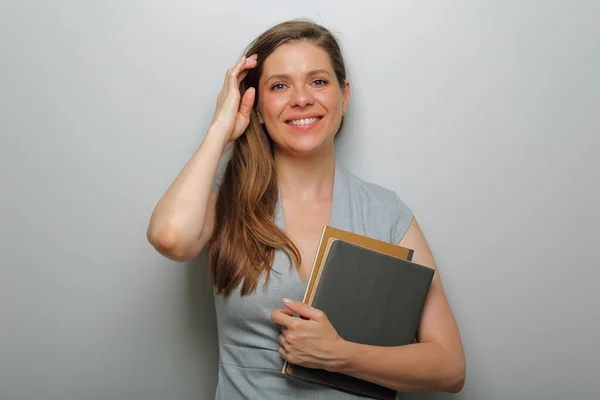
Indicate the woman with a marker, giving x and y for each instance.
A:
(280, 109)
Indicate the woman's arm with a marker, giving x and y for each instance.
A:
(182, 222)
(436, 363)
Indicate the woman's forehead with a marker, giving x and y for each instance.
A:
(296, 59)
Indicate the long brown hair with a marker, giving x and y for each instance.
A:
(246, 236)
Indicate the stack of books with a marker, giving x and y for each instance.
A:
(372, 293)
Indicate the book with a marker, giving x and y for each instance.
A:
(372, 293)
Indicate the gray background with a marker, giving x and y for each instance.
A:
(484, 116)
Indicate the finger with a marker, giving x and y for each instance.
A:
(286, 311)
(241, 76)
(240, 64)
(251, 58)
(281, 318)
(251, 62)
(304, 310)
(247, 102)
(245, 70)
(233, 73)
(282, 342)
(284, 353)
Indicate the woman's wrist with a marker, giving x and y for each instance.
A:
(219, 135)
(344, 354)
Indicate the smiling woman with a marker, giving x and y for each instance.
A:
(281, 107)
(300, 93)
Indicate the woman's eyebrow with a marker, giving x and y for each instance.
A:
(286, 76)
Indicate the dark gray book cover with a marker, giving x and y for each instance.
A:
(370, 298)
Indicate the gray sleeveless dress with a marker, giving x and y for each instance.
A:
(249, 363)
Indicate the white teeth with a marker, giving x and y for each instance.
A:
(305, 121)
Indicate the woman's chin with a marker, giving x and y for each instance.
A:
(304, 144)
(305, 148)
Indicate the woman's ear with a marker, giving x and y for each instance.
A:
(346, 95)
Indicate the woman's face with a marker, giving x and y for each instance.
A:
(300, 100)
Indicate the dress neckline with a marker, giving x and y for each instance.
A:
(337, 218)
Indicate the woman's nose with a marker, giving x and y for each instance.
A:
(301, 97)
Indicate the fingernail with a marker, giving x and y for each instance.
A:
(286, 300)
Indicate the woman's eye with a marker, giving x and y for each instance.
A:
(278, 86)
(320, 82)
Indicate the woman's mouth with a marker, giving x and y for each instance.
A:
(303, 123)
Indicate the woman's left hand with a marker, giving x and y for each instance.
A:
(312, 342)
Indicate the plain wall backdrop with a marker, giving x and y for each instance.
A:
(484, 116)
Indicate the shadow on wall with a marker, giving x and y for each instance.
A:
(202, 327)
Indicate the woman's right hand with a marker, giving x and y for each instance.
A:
(232, 115)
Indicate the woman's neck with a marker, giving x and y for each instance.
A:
(306, 178)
